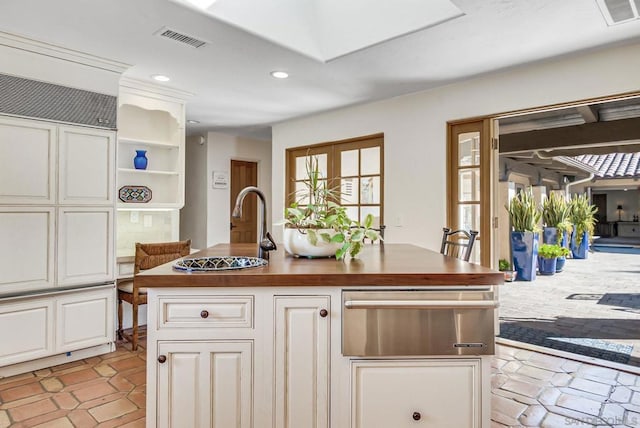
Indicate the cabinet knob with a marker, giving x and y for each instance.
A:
(417, 416)
(324, 313)
(204, 314)
(162, 359)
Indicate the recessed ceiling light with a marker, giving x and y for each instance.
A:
(160, 77)
(193, 121)
(280, 74)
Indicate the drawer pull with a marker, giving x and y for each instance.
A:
(162, 359)
(204, 314)
(324, 313)
(417, 416)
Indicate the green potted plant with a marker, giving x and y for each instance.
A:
(317, 226)
(525, 216)
(547, 258)
(504, 266)
(555, 216)
(582, 215)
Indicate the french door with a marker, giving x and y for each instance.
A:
(471, 159)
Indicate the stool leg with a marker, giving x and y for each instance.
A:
(134, 337)
(120, 319)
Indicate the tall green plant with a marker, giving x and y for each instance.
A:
(524, 212)
(315, 208)
(555, 213)
(582, 215)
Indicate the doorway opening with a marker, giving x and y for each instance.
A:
(592, 307)
(244, 229)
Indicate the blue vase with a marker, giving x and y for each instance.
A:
(580, 251)
(524, 249)
(547, 266)
(550, 236)
(140, 161)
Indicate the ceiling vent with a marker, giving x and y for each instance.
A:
(180, 37)
(619, 11)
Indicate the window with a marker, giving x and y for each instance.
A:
(353, 167)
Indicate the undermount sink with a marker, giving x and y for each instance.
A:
(216, 263)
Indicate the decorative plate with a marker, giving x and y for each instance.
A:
(218, 263)
(135, 194)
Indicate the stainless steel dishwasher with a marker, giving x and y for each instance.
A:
(439, 321)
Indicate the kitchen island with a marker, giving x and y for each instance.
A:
(267, 346)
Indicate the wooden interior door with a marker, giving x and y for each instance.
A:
(244, 230)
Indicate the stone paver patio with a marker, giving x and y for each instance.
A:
(591, 308)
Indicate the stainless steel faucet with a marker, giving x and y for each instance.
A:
(265, 241)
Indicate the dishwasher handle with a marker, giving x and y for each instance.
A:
(420, 304)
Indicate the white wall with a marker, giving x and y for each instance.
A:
(221, 149)
(193, 224)
(414, 128)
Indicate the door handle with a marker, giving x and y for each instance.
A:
(231, 226)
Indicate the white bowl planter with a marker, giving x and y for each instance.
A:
(297, 243)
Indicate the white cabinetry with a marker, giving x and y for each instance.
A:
(86, 170)
(268, 358)
(301, 376)
(205, 384)
(57, 226)
(28, 154)
(435, 393)
(150, 118)
(27, 248)
(40, 326)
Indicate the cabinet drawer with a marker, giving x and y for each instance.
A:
(194, 311)
(433, 393)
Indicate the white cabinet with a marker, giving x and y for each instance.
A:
(431, 393)
(151, 118)
(40, 326)
(205, 384)
(27, 330)
(27, 160)
(26, 248)
(86, 172)
(85, 245)
(301, 376)
(84, 319)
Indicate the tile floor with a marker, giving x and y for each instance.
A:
(530, 389)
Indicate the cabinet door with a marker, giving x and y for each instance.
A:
(301, 375)
(433, 393)
(84, 319)
(27, 161)
(27, 330)
(205, 384)
(86, 166)
(26, 248)
(85, 245)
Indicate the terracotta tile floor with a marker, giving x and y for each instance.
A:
(104, 391)
(530, 389)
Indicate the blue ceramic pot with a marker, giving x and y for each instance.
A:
(140, 161)
(550, 236)
(580, 251)
(524, 249)
(547, 266)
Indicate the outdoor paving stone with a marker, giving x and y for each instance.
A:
(4, 419)
(522, 388)
(621, 394)
(579, 404)
(536, 373)
(612, 413)
(584, 394)
(561, 379)
(591, 386)
(533, 416)
(555, 421)
(511, 367)
(635, 398)
(515, 396)
(497, 380)
(632, 419)
(598, 379)
(571, 366)
(507, 407)
(549, 396)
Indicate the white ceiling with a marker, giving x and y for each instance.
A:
(229, 76)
